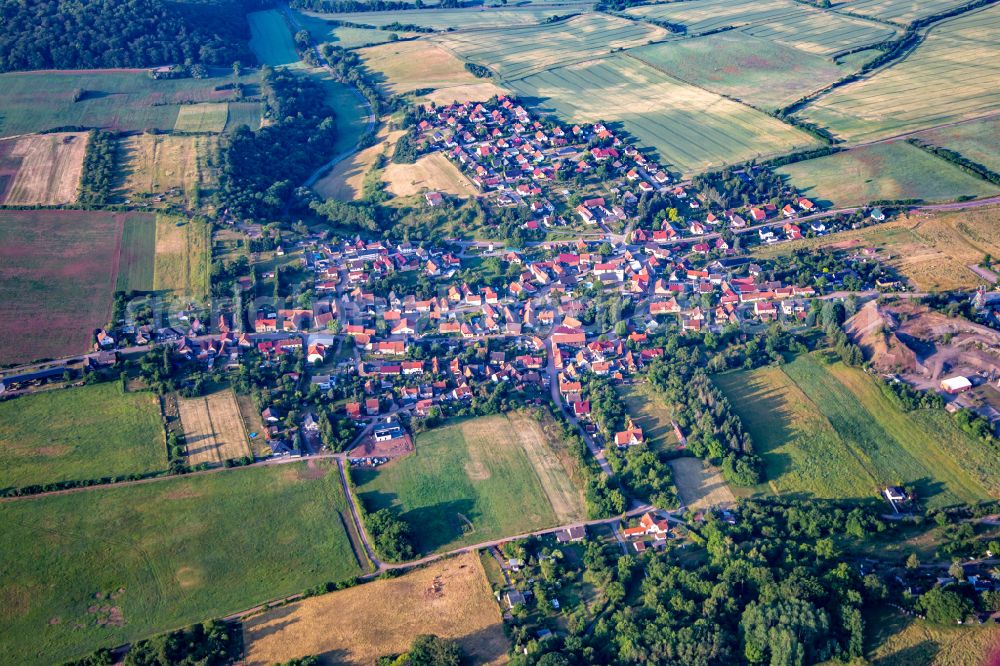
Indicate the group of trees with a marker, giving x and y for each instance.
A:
(216, 643)
(100, 168)
(262, 168)
(55, 34)
(392, 537)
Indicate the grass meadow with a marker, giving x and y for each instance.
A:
(79, 434)
(519, 52)
(156, 165)
(691, 128)
(58, 270)
(138, 250)
(894, 639)
(913, 94)
(104, 567)
(791, 23)
(360, 624)
(201, 118)
(932, 250)
(125, 100)
(764, 73)
(826, 430)
(649, 413)
(978, 141)
(895, 170)
(467, 482)
(183, 257)
(270, 38)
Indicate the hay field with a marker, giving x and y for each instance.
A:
(566, 498)
(895, 171)
(430, 172)
(467, 482)
(466, 18)
(108, 566)
(829, 431)
(691, 128)
(948, 78)
(701, 485)
(42, 168)
(81, 433)
(204, 117)
(932, 250)
(124, 100)
(213, 428)
(345, 180)
(764, 73)
(517, 52)
(450, 598)
(270, 38)
(183, 257)
(155, 164)
(978, 141)
(57, 273)
(402, 67)
(793, 24)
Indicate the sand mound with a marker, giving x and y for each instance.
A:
(874, 330)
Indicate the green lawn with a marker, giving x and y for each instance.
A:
(648, 411)
(466, 483)
(165, 554)
(271, 40)
(826, 430)
(77, 434)
(119, 99)
(895, 170)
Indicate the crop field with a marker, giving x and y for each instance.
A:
(138, 253)
(183, 257)
(932, 250)
(41, 168)
(946, 79)
(108, 566)
(701, 485)
(204, 117)
(978, 141)
(793, 24)
(828, 431)
(516, 53)
(691, 128)
(461, 18)
(764, 73)
(450, 598)
(649, 413)
(402, 67)
(167, 166)
(213, 428)
(57, 272)
(894, 170)
(469, 482)
(270, 39)
(430, 172)
(78, 434)
(243, 113)
(125, 100)
(902, 12)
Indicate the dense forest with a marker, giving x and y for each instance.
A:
(262, 168)
(60, 34)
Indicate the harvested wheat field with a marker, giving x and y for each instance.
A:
(156, 164)
(213, 428)
(344, 182)
(415, 65)
(41, 168)
(700, 485)
(450, 598)
(466, 92)
(430, 172)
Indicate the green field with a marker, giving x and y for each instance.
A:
(649, 412)
(764, 73)
(518, 52)
(793, 24)
(271, 40)
(978, 141)
(124, 100)
(243, 113)
(165, 554)
(466, 483)
(138, 249)
(946, 79)
(826, 430)
(462, 18)
(206, 117)
(894, 170)
(324, 30)
(79, 434)
(349, 107)
(183, 257)
(691, 128)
